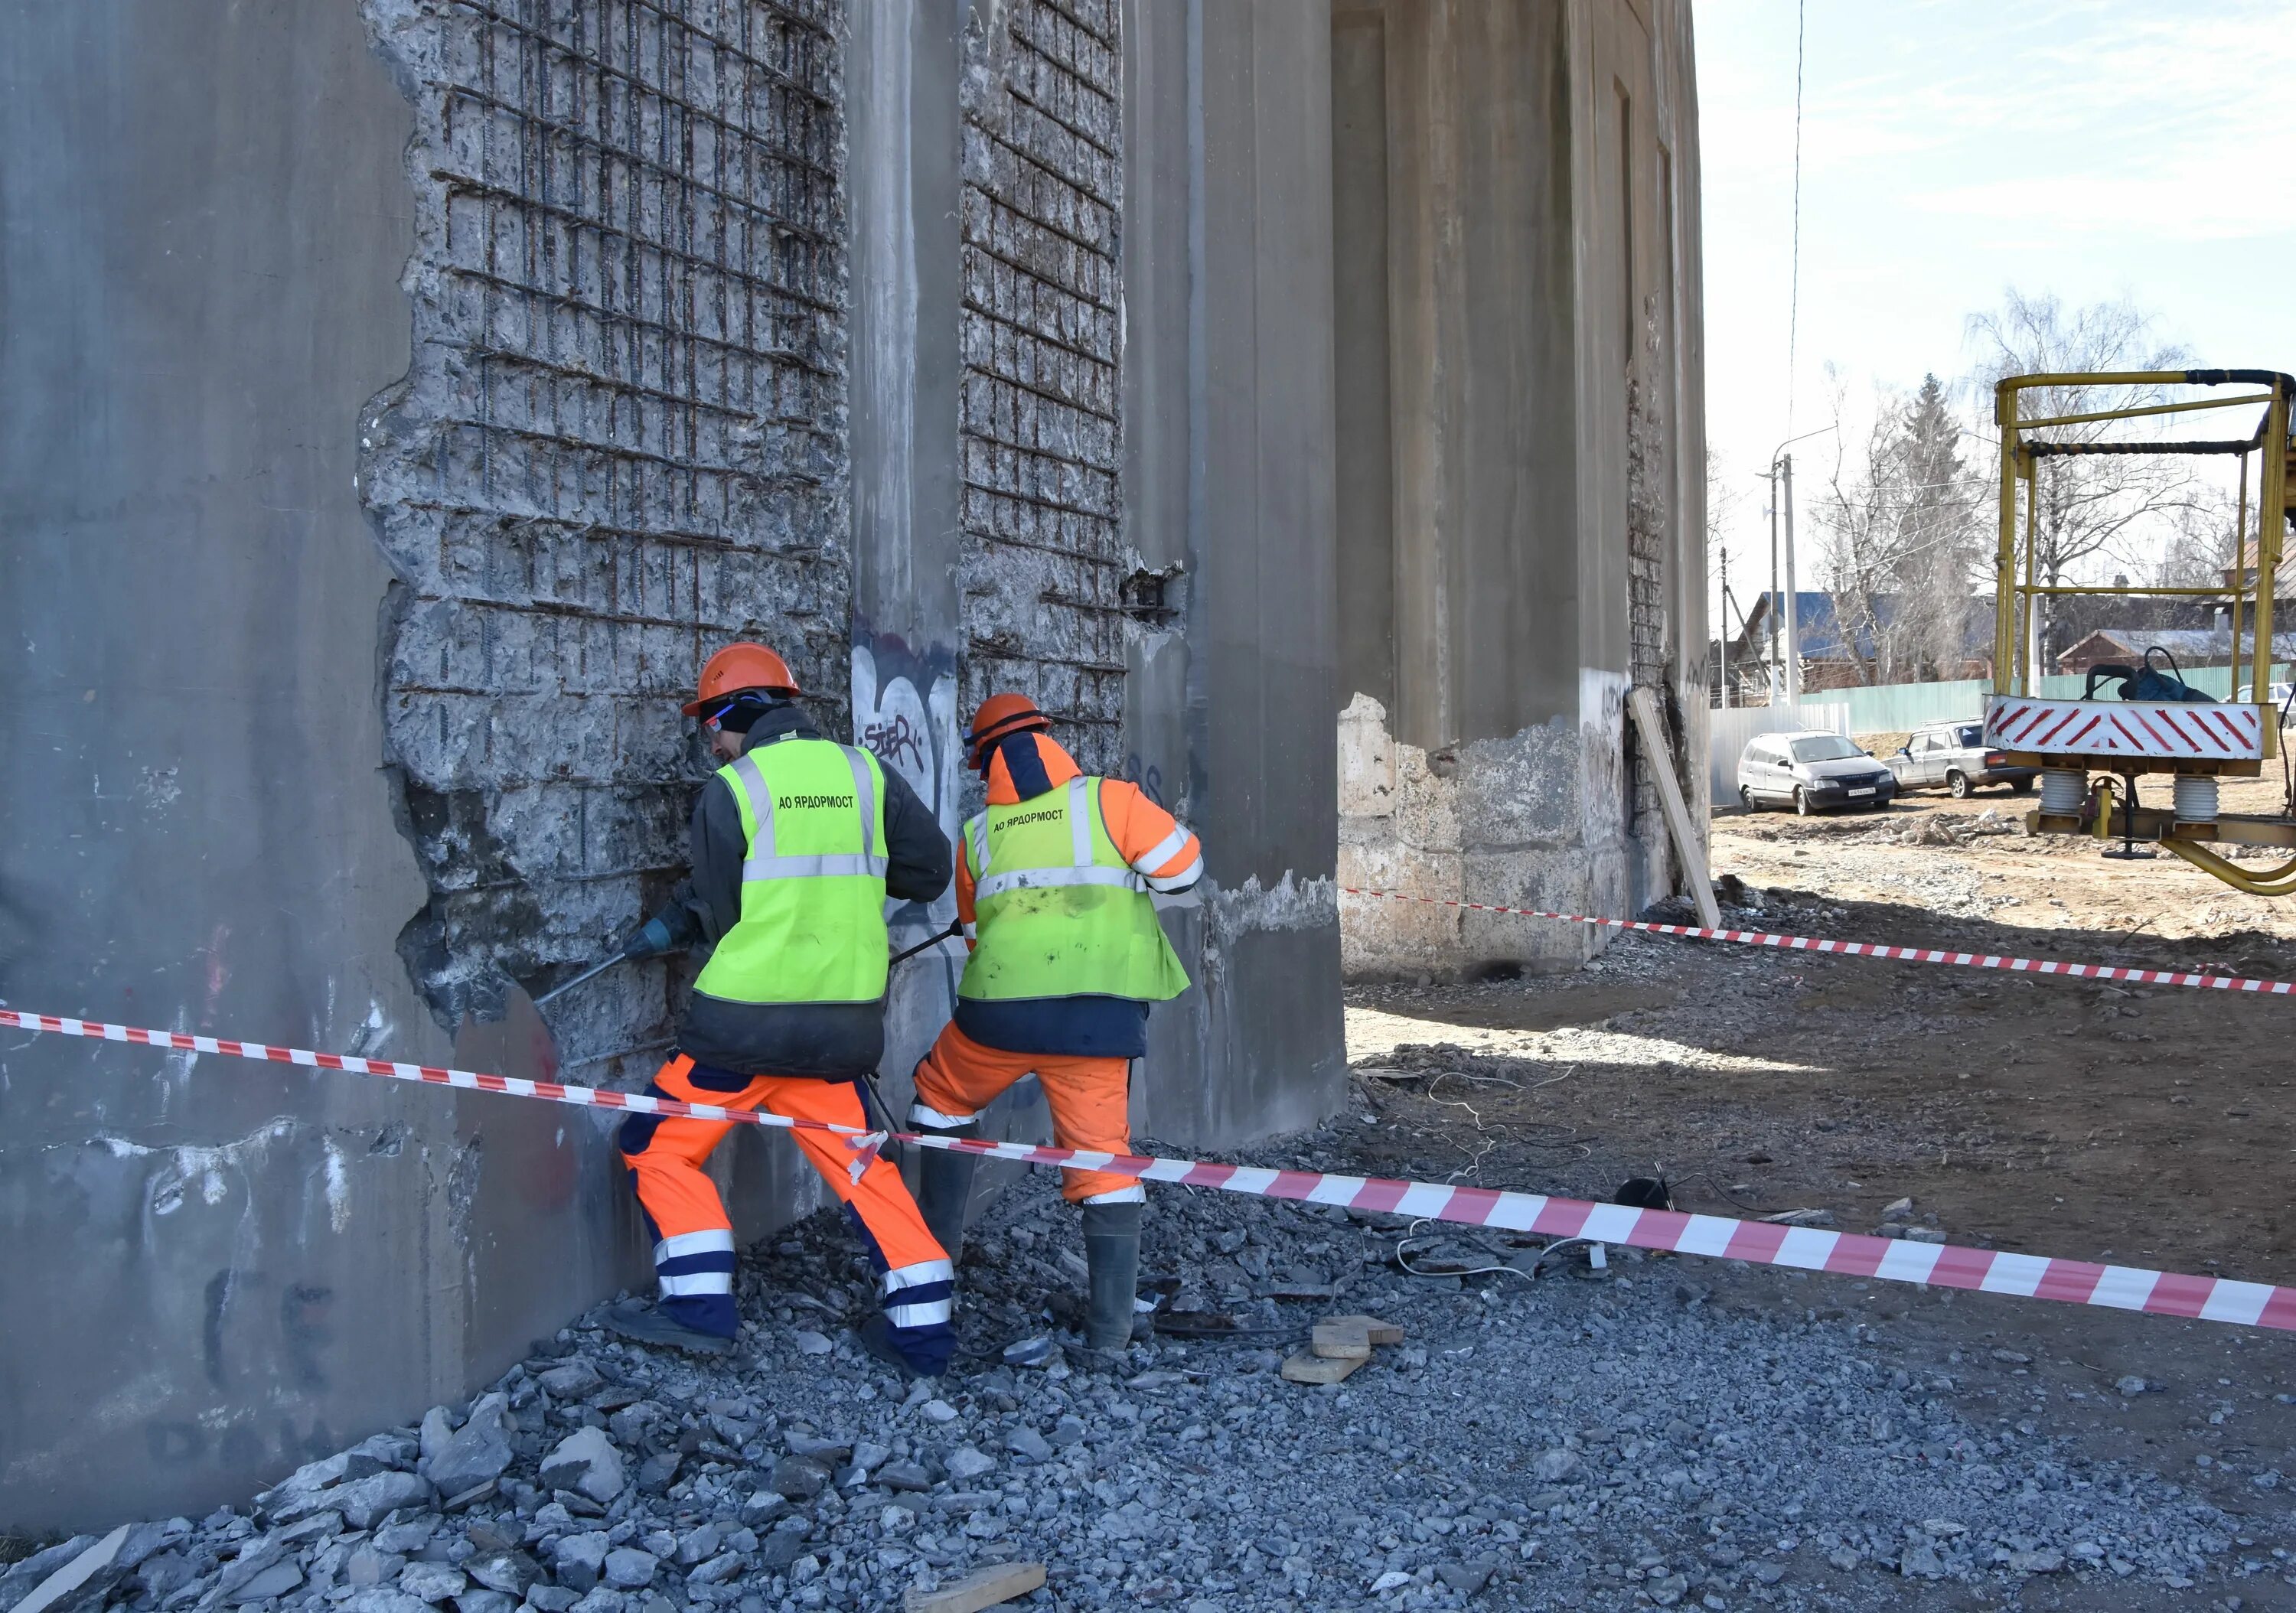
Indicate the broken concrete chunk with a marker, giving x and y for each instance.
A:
(585, 1463)
(1000, 1583)
(803, 1443)
(274, 1581)
(438, 1429)
(628, 1568)
(570, 1381)
(799, 1477)
(581, 1560)
(509, 1572)
(484, 1601)
(966, 1461)
(1467, 1578)
(898, 1476)
(366, 1503)
(258, 1556)
(1025, 1441)
(1557, 1466)
(163, 1574)
(717, 1571)
(369, 1566)
(385, 1598)
(81, 1580)
(432, 1582)
(1307, 1367)
(478, 1452)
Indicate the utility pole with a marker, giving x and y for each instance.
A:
(1793, 634)
(1722, 639)
(1770, 624)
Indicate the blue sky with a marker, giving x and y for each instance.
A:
(1951, 148)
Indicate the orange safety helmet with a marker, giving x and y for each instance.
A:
(738, 666)
(1000, 715)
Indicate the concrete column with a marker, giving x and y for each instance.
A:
(1228, 263)
(214, 1269)
(902, 155)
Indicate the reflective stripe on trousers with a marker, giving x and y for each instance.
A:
(919, 1296)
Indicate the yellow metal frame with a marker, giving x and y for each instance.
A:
(2014, 599)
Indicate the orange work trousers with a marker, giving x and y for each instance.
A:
(694, 1237)
(1090, 1101)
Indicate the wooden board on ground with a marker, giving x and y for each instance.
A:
(1001, 1581)
(1658, 757)
(1351, 1338)
(1307, 1367)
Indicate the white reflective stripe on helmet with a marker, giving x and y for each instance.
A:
(683, 1283)
(1047, 878)
(1171, 845)
(920, 1315)
(1181, 881)
(923, 1115)
(915, 1276)
(1133, 1194)
(1079, 822)
(715, 1242)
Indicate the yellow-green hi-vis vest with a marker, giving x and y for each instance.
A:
(1058, 912)
(813, 878)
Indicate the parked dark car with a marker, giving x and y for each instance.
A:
(1955, 755)
(1811, 771)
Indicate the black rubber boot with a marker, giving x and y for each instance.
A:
(643, 1324)
(1112, 1258)
(945, 1189)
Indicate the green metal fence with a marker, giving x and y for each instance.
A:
(1898, 708)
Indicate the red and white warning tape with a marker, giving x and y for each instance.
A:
(1870, 949)
(1760, 1243)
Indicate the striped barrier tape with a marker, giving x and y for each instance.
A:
(1674, 1231)
(1869, 949)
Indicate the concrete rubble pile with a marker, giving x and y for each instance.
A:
(1649, 1445)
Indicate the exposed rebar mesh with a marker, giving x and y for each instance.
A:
(620, 445)
(1044, 565)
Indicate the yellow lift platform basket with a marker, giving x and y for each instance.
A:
(2195, 742)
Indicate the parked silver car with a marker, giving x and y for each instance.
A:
(1811, 771)
(1955, 755)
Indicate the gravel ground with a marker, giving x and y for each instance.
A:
(1668, 1433)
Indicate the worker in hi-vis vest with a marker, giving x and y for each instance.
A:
(1054, 887)
(797, 841)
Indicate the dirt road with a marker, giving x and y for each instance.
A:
(2149, 1125)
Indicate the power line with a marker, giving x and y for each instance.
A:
(1794, 294)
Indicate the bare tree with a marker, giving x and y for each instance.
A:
(1898, 519)
(2085, 505)
(2203, 541)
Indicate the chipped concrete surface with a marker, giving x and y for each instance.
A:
(1521, 821)
(620, 444)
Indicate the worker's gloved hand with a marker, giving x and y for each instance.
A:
(649, 939)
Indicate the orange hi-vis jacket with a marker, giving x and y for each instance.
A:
(1167, 856)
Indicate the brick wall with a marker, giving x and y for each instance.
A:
(1043, 570)
(622, 442)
